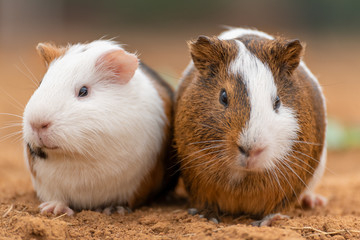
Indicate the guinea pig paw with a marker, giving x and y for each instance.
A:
(193, 211)
(123, 210)
(204, 214)
(110, 210)
(313, 200)
(55, 207)
(269, 220)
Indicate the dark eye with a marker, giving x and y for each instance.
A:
(83, 92)
(277, 103)
(223, 98)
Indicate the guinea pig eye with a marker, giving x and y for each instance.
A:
(277, 103)
(83, 92)
(223, 98)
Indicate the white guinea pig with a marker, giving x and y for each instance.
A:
(97, 131)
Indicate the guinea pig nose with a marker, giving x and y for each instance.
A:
(243, 151)
(256, 152)
(45, 125)
(38, 126)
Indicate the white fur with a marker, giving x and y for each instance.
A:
(108, 141)
(239, 32)
(266, 128)
(264, 125)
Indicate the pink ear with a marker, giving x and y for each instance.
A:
(122, 64)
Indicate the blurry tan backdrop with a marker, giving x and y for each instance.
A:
(158, 30)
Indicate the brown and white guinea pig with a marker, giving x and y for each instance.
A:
(98, 129)
(250, 125)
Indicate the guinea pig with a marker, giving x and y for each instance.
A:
(97, 131)
(250, 125)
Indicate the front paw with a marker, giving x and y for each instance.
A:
(56, 208)
(269, 220)
(110, 210)
(312, 200)
(209, 215)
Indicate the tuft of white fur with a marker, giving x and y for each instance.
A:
(239, 32)
(273, 131)
(108, 141)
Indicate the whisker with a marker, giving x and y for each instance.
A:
(201, 150)
(4, 138)
(11, 126)
(11, 114)
(301, 160)
(211, 127)
(267, 171)
(19, 106)
(17, 139)
(301, 166)
(293, 190)
(292, 170)
(32, 74)
(27, 76)
(211, 163)
(210, 141)
(306, 156)
(310, 143)
(203, 155)
(332, 172)
(278, 182)
(205, 162)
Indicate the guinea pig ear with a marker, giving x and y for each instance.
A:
(292, 51)
(204, 53)
(49, 52)
(120, 63)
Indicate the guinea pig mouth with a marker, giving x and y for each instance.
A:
(37, 152)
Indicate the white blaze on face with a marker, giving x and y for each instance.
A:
(266, 129)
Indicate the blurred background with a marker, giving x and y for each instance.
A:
(159, 29)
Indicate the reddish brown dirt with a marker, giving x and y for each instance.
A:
(340, 219)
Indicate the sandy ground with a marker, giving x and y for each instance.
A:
(340, 219)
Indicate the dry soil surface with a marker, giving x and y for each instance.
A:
(340, 219)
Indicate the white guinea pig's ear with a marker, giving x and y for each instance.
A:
(120, 64)
(49, 52)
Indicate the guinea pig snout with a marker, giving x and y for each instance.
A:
(250, 152)
(40, 126)
(42, 133)
(250, 156)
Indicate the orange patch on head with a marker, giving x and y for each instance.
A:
(49, 52)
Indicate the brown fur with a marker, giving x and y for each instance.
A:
(49, 52)
(30, 161)
(200, 117)
(162, 176)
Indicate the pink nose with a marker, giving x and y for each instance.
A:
(256, 152)
(250, 152)
(40, 126)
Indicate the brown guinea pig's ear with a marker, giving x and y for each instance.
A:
(205, 53)
(48, 52)
(291, 53)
